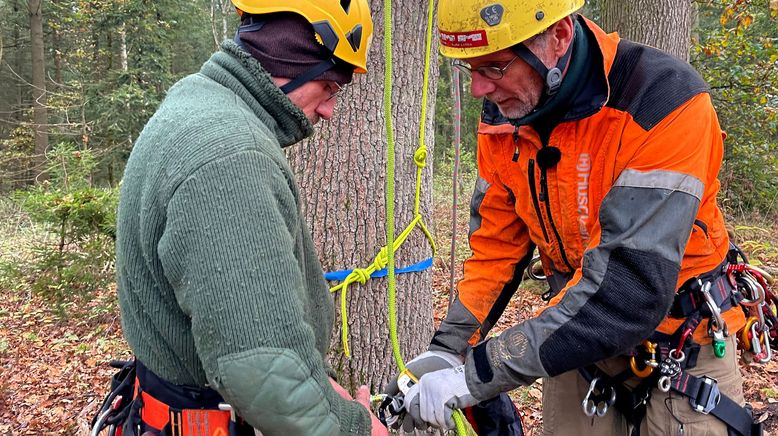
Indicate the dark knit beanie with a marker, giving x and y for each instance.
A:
(285, 45)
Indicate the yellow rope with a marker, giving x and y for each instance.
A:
(385, 257)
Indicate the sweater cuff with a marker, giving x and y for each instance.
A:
(354, 418)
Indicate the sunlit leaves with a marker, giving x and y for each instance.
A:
(736, 53)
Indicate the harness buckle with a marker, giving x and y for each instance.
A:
(707, 397)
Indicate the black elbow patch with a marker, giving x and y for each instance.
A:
(635, 295)
(483, 367)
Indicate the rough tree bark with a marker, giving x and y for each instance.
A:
(40, 113)
(341, 172)
(664, 24)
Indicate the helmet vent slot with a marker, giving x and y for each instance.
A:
(345, 4)
(354, 37)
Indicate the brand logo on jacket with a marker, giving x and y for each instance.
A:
(584, 167)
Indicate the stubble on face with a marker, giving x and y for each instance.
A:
(522, 97)
(515, 106)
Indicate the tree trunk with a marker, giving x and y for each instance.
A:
(56, 50)
(123, 48)
(342, 175)
(17, 38)
(664, 24)
(40, 114)
(227, 10)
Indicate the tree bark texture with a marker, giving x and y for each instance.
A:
(40, 113)
(342, 175)
(664, 24)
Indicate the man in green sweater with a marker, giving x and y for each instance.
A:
(221, 291)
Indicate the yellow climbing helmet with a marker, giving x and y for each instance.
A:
(344, 27)
(470, 28)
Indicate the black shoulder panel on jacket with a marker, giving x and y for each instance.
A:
(650, 84)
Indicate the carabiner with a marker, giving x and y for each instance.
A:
(531, 270)
(650, 364)
(589, 404)
(756, 291)
(714, 308)
(745, 338)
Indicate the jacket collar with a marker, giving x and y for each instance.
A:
(236, 70)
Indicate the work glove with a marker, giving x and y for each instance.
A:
(428, 361)
(425, 362)
(434, 398)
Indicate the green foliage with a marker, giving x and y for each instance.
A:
(736, 51)
(755, 239)
(82, 220)
(444, 121)
(16, 157)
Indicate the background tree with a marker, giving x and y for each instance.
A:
(736, 51)
(341, 172)
(664, 24)
(40, 110)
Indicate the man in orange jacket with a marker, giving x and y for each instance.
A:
(602, 154)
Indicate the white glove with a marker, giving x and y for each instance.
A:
(425, 362)
(433, 399)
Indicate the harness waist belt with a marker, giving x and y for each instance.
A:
(690, 299)
(183, 410)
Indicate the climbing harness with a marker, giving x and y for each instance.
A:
(115, 408)
(140, 402)
(661, 361)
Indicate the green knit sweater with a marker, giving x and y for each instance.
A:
(218, 279)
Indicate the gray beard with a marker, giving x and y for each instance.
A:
(516, 111)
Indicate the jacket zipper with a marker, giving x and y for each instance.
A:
(516, 143)
(545, 198)
(534, 193)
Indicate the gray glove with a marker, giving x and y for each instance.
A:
(424, 363)
(435, 397)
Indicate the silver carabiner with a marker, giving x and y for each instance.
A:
(765, 353)
(757, 292)
(530, 270)
(588, 406)
(717, 327)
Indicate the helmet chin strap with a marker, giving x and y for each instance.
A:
(308, 75)
(552, 77)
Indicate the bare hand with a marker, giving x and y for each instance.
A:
(363, 398)
(341, 390)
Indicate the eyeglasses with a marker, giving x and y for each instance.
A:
(491, 73)
(335, 89)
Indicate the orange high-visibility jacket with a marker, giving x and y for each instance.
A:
(625, 217)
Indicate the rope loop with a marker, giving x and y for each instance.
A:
(361, 275)
(382, 258)
(420, 157)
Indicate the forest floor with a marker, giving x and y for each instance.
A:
(53, 372)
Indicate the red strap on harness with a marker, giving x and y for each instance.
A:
(187, 422)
